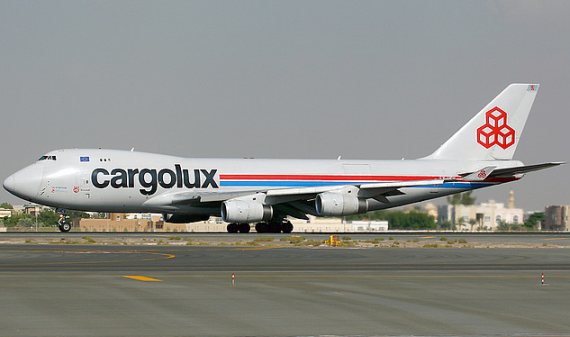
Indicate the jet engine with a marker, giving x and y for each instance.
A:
(337, 204)
(241, 211)
(185, 218)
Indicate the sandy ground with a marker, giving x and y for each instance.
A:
(370, 241)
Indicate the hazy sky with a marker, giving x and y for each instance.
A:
(281, 79)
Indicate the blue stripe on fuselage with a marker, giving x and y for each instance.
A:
(263, 183)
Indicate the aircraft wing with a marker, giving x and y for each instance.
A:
(399, 184)
(284, 195)
(367, 190)
(192, 198)
(196, 198)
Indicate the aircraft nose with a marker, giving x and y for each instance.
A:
(25, 183)
(9, 184)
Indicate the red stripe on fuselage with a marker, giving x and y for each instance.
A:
(322, 177)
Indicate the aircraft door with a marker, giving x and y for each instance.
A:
(82, 186)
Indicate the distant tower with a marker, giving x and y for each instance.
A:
(511, 202)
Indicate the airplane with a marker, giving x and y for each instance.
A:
(267, 192)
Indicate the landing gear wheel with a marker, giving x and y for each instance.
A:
(262, 227)
(233, 228)
(62, 223)
(64, 227)
(275, 227)
(287, 227)
(244, 228)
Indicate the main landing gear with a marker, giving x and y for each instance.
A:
(274, 227)
(238, 227)
(63, 222)
(262, 227)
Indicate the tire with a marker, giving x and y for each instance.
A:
(287, 227)
(232, 228)
(64, 227)
(244, 228)
(275, 228)
(261, 227)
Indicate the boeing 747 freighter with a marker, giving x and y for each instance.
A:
(266, 192)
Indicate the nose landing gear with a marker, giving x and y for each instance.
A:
(64, 227)
(63, 222)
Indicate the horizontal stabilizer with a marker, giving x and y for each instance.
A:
(511, 171)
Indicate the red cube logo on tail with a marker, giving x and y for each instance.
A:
(496, 131)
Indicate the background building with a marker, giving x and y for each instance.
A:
(337, 225)
(5, 213)
(431, 209)
(486, 216)
(556, 218)
(131, 222)
(368, 226)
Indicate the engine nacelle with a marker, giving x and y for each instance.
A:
(338, 204)
(184, 218)
(241, 211)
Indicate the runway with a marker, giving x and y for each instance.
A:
(258, 259)
(54, 290)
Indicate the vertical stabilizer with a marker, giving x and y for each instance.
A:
(494, 133)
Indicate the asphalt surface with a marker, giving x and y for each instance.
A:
(74, 290)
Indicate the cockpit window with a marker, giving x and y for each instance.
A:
(47, 158)
(43, 158)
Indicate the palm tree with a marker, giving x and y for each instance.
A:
(472, 222)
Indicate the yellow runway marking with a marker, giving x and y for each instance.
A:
(258, 248)
(168, 256)
(428, 237)
(142, 278)
(155, 256)
(555, 239)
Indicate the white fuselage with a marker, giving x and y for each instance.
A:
(123, 181)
